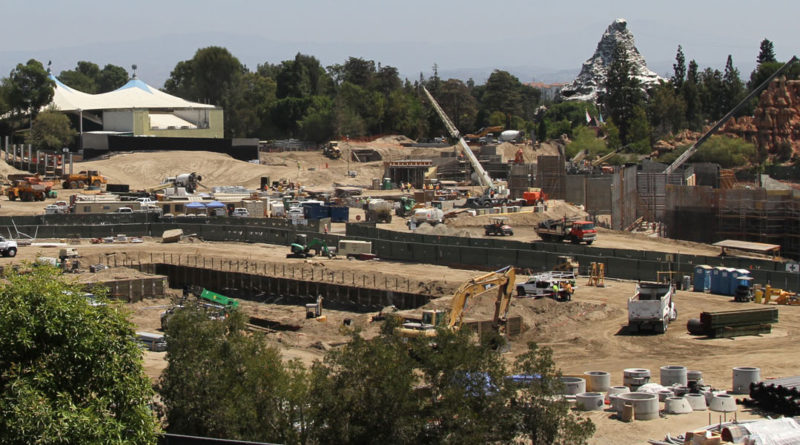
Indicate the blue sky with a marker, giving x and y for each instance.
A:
(532, 39)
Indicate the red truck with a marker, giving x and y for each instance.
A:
(562, 229)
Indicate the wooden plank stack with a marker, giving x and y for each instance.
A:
(725, 324)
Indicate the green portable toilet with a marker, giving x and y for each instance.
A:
(387, 183)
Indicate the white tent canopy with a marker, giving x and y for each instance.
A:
(134, 94)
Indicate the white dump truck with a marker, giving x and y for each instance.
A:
(379, 211)
(651, 307)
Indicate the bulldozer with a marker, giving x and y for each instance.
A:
(301, 248)
(332, 150)
(502, 279)
(84, 178)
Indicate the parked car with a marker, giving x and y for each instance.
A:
(240, 212)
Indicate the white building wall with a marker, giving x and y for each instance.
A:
(118, 120)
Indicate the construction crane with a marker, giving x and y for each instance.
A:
(693, 149)
(502, 279)
(483, 177)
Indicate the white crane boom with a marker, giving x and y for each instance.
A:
(483, 177)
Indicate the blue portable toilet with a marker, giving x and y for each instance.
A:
(725, 279)
(716, 277)
(735, 275)
(702, 278)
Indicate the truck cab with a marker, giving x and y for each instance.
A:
(583, 231)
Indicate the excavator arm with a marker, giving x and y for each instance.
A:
(503, 279)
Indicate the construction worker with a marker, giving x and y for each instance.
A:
(555, 290)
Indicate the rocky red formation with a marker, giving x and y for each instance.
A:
(775, 124)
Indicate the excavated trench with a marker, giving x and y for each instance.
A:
(281, 290)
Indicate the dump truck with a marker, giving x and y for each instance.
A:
(84, 178)
(498, 225)
(651, 307)
(558, 230)
(379, 211)
(332, 150)
(29, 189)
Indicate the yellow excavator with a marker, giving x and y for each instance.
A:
(502, 279)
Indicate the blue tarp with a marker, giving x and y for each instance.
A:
(195, 205)
(215, 205)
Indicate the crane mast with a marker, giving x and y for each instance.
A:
(483, 177)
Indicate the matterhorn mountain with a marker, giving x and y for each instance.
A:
(592, 80)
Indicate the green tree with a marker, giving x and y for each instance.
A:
(623, 92)
(711, 91)
(679, 69)
(544, 417)
(82, 78)
(766, 52)
(364, 393)
(691, 96)
(502, 93)
(733, 87)
(224, 382)
(51, 131)
(317, 124)
(207, 77)
(666, 109)
(639, 132)
(458, 104)
(728, 152)
(586, 140)
(29, 88)
(111, 77)
(70, 372)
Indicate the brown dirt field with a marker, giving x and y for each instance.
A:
(585, 334)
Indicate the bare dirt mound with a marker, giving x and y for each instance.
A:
(6, 170)
(555, 209)
(141, 170)
(442, 230)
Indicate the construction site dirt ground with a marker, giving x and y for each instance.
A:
(585, 334)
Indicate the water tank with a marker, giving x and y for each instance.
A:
(743, 376)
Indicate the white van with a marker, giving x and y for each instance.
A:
(240, 212)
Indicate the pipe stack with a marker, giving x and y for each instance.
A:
(781, 396)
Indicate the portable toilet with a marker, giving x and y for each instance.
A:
(725, 279)
(735, 274)
(716, 278)
(702, 278)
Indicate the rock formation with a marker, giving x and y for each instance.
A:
(775, 125)
(592, 78)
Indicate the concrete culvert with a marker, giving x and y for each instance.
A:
(589, 401)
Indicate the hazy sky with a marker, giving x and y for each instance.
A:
(533, 37)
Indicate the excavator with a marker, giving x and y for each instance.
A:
(301, 248)
(483, 132)
(502, 280)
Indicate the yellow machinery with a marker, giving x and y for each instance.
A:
(597, 276)
(502, 279)
(779, 296)
(84, 178)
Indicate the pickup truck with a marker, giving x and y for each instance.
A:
(651, 307)
(8, 247)
(541, 285)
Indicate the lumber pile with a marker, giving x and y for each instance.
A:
(781, 396)
(726, 324)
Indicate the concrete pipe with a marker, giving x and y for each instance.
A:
(573, 385)
(723, 403)
(617, 402)
(694, 376)
(673, 375)
(696, 401)
(677, 405)
(680, 391)
(743, 376)
(589, 401)
(664, 394)
(635, 377)
(645, 405)
(597, 381)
